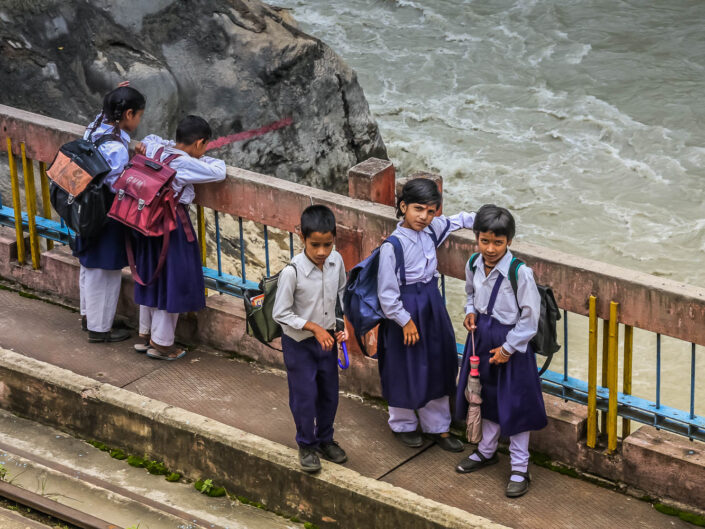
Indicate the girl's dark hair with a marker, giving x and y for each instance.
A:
(116, 103)
(419, 191)
(191, 129)
(495, 219)
(317, 218)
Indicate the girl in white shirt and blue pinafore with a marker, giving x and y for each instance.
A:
(179, 287)
(103, 257)
(504, 324)
(418, 359)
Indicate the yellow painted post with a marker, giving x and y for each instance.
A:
(612, 372)
(46, 203)
(627, 377)
(16, 203)
(592, 377)
(605, 336)
(30, 194)
(202, 234)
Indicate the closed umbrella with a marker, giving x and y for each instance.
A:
(472, 394)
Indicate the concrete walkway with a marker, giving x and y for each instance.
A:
(256, 400)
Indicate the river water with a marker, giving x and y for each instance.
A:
(585, 118)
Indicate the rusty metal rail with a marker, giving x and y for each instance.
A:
(53, 508)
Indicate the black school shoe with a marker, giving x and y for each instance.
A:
(118, 335)
(518, 488)
(410, 439)
(308, 459)
(470, 465)
(117, 324)
(449, 444)
(331, 451)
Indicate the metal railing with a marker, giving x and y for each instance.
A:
(375, 222)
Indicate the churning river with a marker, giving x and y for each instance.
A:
(586, 118)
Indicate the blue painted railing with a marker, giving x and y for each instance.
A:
(685, 423)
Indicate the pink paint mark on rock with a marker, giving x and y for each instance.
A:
(249, 134)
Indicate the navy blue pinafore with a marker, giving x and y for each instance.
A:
(511, 392)
(412, 376)
(179, 286)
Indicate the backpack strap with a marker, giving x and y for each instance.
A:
(399, 256)
(105, 138)
(473, 260)
(514, 276)
(437, 241)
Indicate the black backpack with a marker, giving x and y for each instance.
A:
(545, 342)
(82, 204)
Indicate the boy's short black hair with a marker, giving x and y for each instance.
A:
(191, 129)
(495, 219)
(317, 218)
(419, 191)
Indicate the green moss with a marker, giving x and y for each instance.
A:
(156, 467)
(136, 461)
(309, 525)
(294, 519)
(247, 501)
(116, 453)
(686, 516)
(693, 518)
(207, 487)
(173, 476)
(100, 446)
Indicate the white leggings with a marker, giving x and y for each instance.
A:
(518, 445)
(434, 417)
(100, 291)
(160, 324)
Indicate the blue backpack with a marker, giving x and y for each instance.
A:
(360, 301)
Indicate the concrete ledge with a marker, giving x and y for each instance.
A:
(222, 325)
(246, 464)
(653, 457)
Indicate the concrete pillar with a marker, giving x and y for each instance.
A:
(421, 174)
(372, 180)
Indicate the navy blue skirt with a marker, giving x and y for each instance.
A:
(511, 392)
(105, 251)
(179, 287)
(414, 375)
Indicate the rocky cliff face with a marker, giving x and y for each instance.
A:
(239, 63)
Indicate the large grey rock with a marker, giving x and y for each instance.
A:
(239, 63)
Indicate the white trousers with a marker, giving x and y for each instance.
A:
(434, 417)
(100, 291)
(159, 324)
(518, 445)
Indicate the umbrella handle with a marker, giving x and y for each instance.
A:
(345, 355)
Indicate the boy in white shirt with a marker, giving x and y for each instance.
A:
(309, 291)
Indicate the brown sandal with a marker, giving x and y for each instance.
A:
(161, 352)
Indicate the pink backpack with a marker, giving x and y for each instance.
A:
(145, 202)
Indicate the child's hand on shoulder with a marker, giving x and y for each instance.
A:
(411, 333)
(469, 322)
(499, 356)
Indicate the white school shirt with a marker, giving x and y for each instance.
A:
(309, 294)
(479, 287)
(114, 151)
(420, 262)
(189, 170)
